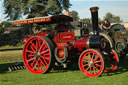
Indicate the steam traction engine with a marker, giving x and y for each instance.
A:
(64, 46)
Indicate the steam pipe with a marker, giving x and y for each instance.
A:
(94, 14)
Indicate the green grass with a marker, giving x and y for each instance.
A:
(7, 56)
(59, 77)
(8, 46)
(24, 77)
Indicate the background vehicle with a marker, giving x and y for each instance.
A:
(117, 37)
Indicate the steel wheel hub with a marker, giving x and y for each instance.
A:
(37, 55)
(90, 63)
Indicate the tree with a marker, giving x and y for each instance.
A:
(86, 20)
(116, 19)
(109, 16)
(4, 25)
(75, 16)
(15, 9)
(112, 18)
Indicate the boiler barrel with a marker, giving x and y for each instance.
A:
(93, 41)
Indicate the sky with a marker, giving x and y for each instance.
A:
(116, 7)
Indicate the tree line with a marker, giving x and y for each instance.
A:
(111, 18)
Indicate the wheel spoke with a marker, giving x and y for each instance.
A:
(33, 45)
(31, 55)
(88, 68)
(44, 51)
(89, 55)
(46, 54)
(41, 46)
(94, 69)
(45, 58)
(32, 59)
(29, 51)
(32, 64)
(43, 63)
(97, 61)
(98, 65)
(32, 48)
(87, 58)
(38, 66)
(45, 47)
(92, 57)
(95, 58)
(37, 43)
(35, 65)
(85, 65)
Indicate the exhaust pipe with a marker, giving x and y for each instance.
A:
(94, 14)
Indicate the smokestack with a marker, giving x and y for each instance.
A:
(94, 13)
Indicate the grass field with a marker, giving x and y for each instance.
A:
(7, 56)
(61, 77)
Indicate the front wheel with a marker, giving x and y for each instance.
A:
(91, 63)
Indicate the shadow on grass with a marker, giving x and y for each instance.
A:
(4, 67)
(122, 67)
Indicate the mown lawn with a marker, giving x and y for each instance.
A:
(7, 56)
(61, 77)
(24, 77)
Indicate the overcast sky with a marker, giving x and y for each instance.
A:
(116, 7)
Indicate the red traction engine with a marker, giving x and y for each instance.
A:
(64, 46)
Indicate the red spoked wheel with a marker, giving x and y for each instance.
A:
(38, 55)
(111, 61)
(91, 63)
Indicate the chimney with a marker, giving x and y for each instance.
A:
(94, 13)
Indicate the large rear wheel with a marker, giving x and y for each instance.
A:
(38, 55)
(91, 63)
(111, 61)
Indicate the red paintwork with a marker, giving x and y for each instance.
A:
(60, 51)
(64, 38)
(67, 37)
(32, 20)
(42, 34)
(24, 40)
(80, 44)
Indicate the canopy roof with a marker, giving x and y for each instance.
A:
(44, 20)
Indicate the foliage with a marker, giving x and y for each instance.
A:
(112, 18)
(14, 37)
(4, 25)
(86, 20)
(75, 15)
(15, 9)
